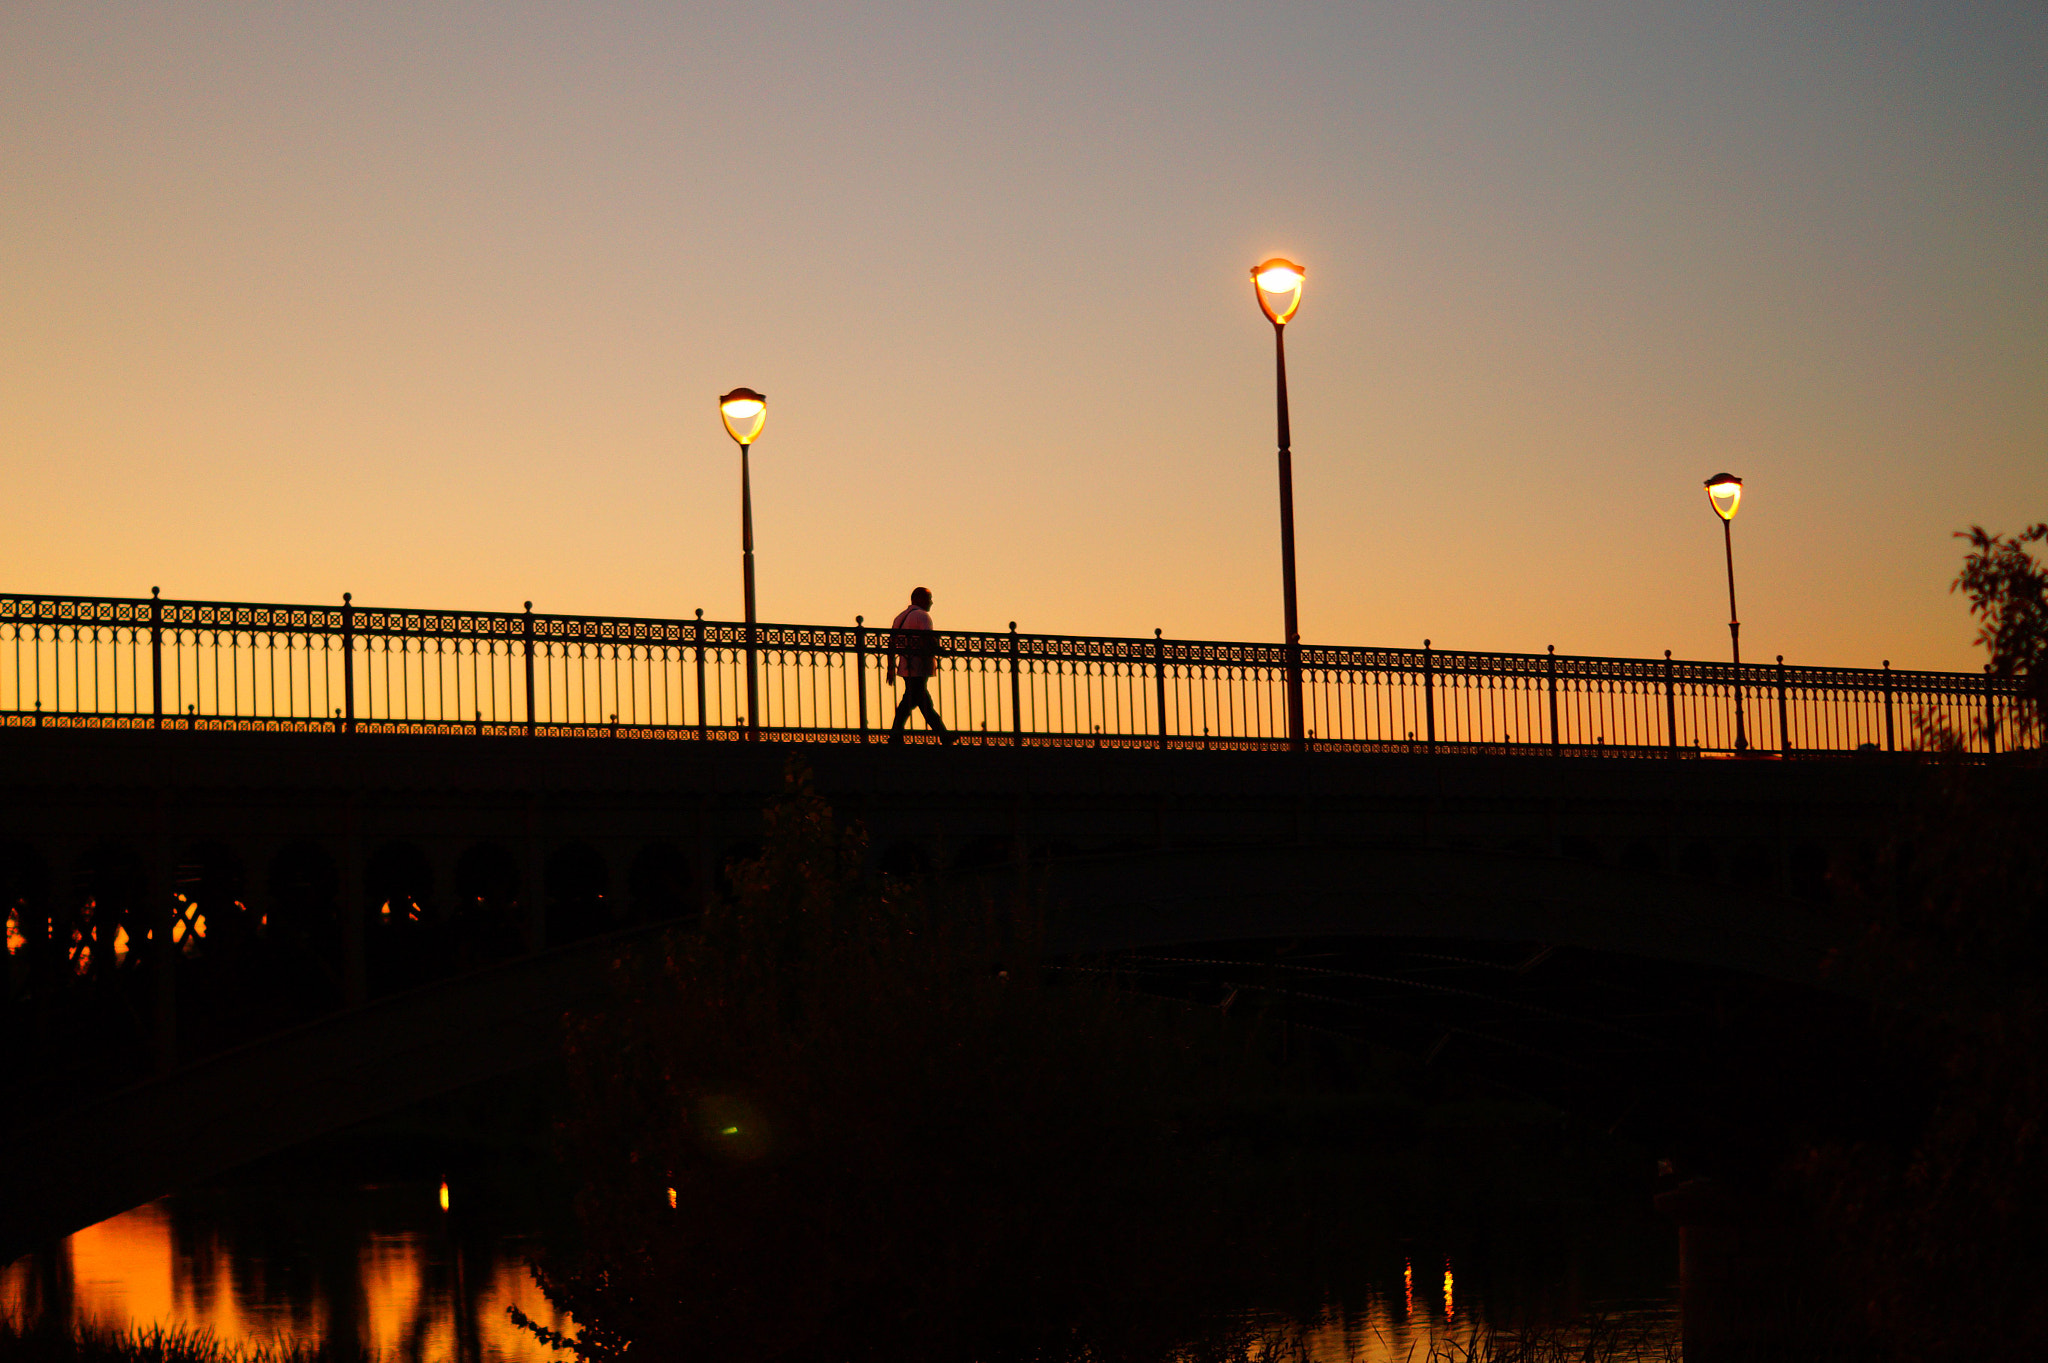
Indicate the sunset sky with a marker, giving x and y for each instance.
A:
(432, 304)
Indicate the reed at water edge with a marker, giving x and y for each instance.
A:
(60, 1341)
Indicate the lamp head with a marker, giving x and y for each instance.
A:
(744, 412)
(1276, 283)
(1724, 492)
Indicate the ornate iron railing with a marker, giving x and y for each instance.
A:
(152, 663)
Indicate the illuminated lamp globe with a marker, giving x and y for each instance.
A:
(1276, 283)
(1724, 492)
(744, 412)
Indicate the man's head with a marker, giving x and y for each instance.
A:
(921, 597)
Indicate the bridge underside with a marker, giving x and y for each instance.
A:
(475, 888)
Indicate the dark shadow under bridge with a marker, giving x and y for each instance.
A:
(223, 942)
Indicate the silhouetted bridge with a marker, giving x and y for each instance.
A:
(260, 870)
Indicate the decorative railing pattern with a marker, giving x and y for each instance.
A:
(148, 662)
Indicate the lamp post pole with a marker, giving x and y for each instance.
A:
(747, 563)
(744, 412)
(1295, 735)
(1724, 494)
(1276, 284)
(1734, 632)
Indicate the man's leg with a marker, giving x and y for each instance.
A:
(931, 711)
(913, 691)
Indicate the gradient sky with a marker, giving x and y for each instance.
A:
(432, 304)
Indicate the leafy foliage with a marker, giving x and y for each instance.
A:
(2008, 591)
(1936, 1226)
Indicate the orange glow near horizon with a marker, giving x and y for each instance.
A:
(434, 321)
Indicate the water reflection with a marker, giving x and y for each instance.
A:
(1377, 1333)
(384, 1270)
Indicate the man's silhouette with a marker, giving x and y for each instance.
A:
(913, 654)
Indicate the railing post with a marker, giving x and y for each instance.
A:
(1990, 715)
(1550, 667)
(702, 722)
(1890, 739)
(1784, 719)
(156, 658)
(1670, 705)
(1159, 680)
(348, 663)
(860, 667)
(1016, 694)
(1429, 695)
(529, 669)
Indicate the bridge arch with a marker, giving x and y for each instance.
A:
(492, 901)
(661, 880)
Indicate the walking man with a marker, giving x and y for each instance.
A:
(913, 654)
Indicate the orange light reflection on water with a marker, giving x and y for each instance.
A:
(121, 1269)
(1376, 1333)
(412, 1295)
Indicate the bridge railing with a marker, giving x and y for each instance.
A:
(147, 662)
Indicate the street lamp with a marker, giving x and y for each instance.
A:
(744, 412)
(1724, 494)
(1276, 283)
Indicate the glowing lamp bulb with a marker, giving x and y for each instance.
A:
(1724, 493)
(744, 412)
(444, 1194)
(1276, 283)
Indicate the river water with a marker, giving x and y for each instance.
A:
(383, 1267)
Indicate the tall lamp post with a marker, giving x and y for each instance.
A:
(1724, 494)
(1276, 283)
(744, 412)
